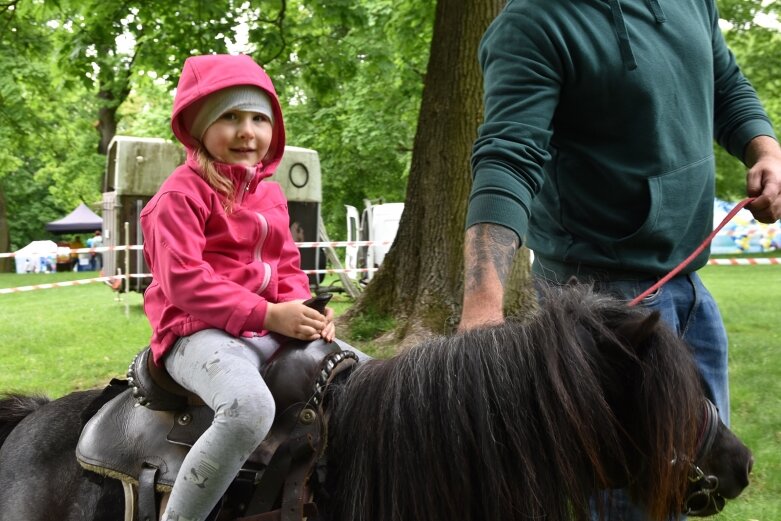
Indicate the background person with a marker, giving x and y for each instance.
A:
(64, 257)
(96, 258)
(75, 244)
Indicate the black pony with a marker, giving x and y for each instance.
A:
(518, 421)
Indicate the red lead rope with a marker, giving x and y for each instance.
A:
(738, 207)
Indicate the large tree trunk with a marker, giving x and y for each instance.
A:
(107, 119)
(113, 90)
(420, 282)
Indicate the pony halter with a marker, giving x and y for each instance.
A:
(703, 486)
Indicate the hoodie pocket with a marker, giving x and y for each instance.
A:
(679, 213)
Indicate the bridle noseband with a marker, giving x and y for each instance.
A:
(704, 486)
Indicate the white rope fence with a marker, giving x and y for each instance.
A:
(334, 244)
(745, 262)
(114, 280)
(79, 282)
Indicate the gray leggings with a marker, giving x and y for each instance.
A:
(225, 372)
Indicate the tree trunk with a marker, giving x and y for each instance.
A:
(420, 282)
(113, 90)
(107, 119)
(519, 297)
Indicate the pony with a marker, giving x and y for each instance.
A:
(523, 420)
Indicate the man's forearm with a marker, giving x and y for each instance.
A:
(489, 250)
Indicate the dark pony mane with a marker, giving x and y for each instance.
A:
(519, 421)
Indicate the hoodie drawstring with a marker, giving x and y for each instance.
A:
(657, 10)
(624, 45)
(623, 35)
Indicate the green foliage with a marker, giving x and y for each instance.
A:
(69, 166)
(758, 51)
(349, 74)
(26, 200)
(68, 65)
(739, 12)
(121, 38)
(147, 110)
(48, 163)
(23, 79)
(355, 95)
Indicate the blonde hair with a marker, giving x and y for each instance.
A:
(221, 184)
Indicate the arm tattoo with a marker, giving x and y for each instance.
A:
(488, 247)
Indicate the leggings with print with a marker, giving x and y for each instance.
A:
(225, 372)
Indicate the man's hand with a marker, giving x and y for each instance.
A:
(488, 256)
(763, 179)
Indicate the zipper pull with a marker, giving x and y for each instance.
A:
(250, 175)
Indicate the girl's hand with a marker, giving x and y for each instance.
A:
(296, 320)
(329, 331)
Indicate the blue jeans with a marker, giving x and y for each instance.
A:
(689, 308)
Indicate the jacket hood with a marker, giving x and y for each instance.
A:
(203, 75)
(624, 44)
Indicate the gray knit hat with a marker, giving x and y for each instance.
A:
(242, 97)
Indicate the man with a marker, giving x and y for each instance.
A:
(96, 258)
(597, 153)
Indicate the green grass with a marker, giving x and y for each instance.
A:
(748, 298)
(63, 339)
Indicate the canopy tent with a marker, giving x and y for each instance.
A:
(38, 256)
(80, 220)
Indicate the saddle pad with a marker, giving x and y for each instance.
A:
(122, 437)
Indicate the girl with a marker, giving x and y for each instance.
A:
(225, 268)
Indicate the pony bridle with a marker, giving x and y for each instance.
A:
(704, 487)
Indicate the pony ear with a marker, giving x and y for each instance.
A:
(636, 332)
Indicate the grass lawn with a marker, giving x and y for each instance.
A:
(63, 339)
(748, 298)
(67, 338)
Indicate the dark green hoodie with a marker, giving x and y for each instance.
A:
(600, 115)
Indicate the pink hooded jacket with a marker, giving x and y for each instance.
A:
(212, 269)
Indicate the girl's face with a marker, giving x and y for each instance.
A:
(239, 137)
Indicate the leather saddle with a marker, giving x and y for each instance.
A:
(145, 445)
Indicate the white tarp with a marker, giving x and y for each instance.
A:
(36, 257)
(743, 234)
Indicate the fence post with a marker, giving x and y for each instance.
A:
(127, 257)
(330, 253)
